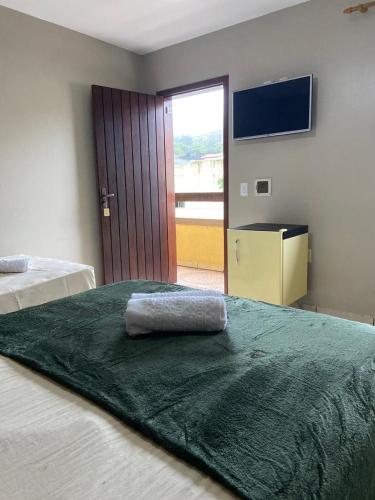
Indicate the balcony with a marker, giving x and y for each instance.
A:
(200, 240)
(200, 278)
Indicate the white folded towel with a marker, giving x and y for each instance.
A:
(189, 313)
(184, 293)
(14, 264)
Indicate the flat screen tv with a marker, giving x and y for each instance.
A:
(276, 108)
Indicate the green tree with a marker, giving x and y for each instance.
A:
(194, 147)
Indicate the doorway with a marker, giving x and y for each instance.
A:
(135, 169)
(200, 165)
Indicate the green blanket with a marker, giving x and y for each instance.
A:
(280, 406)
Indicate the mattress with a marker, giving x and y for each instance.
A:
(55, 445)
(45, 280)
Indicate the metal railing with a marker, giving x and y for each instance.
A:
(213, 197)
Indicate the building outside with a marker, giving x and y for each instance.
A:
(204, 175)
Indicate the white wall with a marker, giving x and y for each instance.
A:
(48, 192)
(325, 178)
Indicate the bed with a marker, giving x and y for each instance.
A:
(45, 280)
(56, 445)
(280, 406)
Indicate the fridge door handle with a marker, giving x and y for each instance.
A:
(236, 250)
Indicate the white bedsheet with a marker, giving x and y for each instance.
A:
(54, 445)
(45, 280)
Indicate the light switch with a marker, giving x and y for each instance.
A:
(244, 189)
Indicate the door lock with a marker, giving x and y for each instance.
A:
(104, 197)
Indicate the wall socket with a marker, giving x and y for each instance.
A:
(263, 187)
(244, 189)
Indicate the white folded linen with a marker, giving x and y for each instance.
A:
(14, 264)
(45, 280)
(175, 313)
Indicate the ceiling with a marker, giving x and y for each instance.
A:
(146, 25)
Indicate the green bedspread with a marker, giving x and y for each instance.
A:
(280, 406)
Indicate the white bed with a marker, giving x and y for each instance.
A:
(54, 445)
(45, 280)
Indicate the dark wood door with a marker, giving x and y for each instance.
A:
(134, 153)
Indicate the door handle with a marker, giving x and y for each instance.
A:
(236, 250)
(104, 197)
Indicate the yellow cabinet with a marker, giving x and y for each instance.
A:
(268, 262)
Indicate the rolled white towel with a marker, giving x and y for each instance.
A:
(14, 264)
(176, 314)
(183, 293)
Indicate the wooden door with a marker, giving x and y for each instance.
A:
(134, 153)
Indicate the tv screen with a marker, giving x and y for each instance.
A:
(275, 108)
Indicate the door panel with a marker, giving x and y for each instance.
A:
(135, 167)
(112, 183)
(169, 158)
(151, 121)
(146, 186)
(101, 161)
(162, 183)
(121, 185)
(137, 173)
(129, 206)
(254, 265)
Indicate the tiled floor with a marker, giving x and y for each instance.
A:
(200, 278)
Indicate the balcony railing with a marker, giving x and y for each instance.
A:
(200, 240)
(214, 197)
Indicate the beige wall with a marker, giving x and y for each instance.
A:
(326, 178)
(48, 193)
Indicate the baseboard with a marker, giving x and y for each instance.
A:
(361, 318)
(204, 267)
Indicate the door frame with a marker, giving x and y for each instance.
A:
(202, 85)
